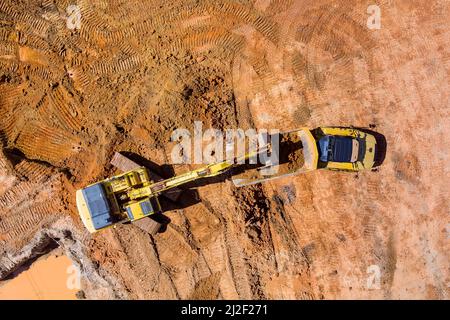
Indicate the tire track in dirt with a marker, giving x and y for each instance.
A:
(286, 228)
(336, 30)
(144, 263)
(42, 142)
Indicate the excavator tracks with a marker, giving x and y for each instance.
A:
(134, 71)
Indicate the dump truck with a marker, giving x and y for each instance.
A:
(134, 194)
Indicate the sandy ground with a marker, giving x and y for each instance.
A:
(135, 71)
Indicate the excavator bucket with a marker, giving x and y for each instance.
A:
(147, 224)
(295, 154)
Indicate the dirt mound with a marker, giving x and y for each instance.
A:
(131, 72)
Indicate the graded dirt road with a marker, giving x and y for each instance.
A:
(134, 71)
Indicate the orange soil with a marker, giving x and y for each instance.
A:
(137, 70)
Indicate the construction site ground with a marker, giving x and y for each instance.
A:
(137, 70)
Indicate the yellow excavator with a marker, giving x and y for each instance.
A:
(134, 194)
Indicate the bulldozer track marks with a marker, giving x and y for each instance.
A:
(237, 265)
(211, 39)
(49, 5)
(306, 73)
(144, 261)
(5, 166)
(235, 261)
(80, 78)
(286, 219)
(95, 27)
(15, 194)
(37, 140)
(203, 270)
(35, 42)
(9, 127)
(248, 15)
(323, 33)
(9, 96)
(93, 24)
(8, 49)
(31, 23)
(29, 204)
(103, 27)
(7, 34)
(60, 43)
(41, 72)
(337, 30)
(277, 6)
(285, 229)
(128, 50)
(214, 259)
(369, 222)
(9, 66)
(11, 119)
